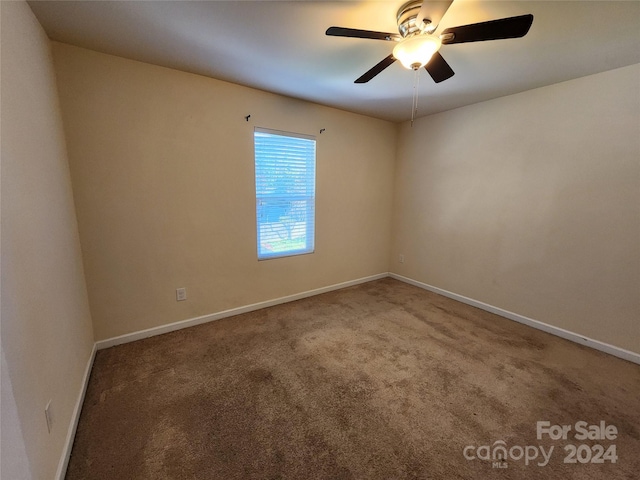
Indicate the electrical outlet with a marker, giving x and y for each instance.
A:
(181, 294)
(401, 258)
(48, 416)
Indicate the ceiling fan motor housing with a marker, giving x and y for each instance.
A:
(407, 15)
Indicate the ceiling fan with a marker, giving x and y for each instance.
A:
(417, 45)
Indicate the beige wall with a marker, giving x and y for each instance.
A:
(162, 169)
(531, 203)
(46, 326)
(522, 202)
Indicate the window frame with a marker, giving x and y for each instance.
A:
(309, 227)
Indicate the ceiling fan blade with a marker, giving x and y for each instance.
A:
(433, 11)
(356, 33)
(376, 69)
(512, 27)
(438, 68)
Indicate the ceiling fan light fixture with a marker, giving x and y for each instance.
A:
(416, 51)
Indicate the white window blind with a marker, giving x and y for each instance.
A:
(285, 193)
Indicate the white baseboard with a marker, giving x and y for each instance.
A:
(132, 337)
(560, 332)
(75, 417)
(545, 327)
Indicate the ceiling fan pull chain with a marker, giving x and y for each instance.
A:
(414, 104)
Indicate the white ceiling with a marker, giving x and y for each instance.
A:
(281, 46)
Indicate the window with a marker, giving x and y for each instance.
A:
(285, 193)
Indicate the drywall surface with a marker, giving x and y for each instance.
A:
(14, 463)
(163, 177)
(530, 203)
(47, 336)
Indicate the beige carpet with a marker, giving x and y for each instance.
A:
(378, 381)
